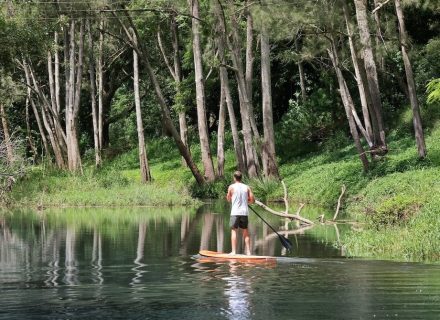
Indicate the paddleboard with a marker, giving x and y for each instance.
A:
(235, 257)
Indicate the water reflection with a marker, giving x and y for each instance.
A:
(116, 264)
(237, 292)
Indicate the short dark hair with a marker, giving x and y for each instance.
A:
(238, 175)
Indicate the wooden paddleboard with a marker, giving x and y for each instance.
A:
(235, 257)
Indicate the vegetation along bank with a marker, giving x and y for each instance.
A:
(156, 103)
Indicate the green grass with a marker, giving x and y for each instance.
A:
(43, 187)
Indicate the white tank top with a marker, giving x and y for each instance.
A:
(239, 200)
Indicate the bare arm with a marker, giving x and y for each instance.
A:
(251, 198)
(229, 195)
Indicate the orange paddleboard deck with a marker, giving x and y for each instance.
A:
(236, 257)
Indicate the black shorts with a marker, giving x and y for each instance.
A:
(238, 222)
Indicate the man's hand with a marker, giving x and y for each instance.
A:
(251, 198)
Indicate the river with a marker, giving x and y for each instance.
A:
(142, 264)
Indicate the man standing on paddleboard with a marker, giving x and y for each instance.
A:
(240, 195)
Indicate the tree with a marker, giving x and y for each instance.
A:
(143, 159)
(417, 120)
(200, 93)
(270, 167)
(372, 79)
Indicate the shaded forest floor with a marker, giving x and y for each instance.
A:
(398, 199)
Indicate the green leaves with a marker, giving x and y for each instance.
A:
(433, 90)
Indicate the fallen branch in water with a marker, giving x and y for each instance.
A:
(339, 202)
(284, 215)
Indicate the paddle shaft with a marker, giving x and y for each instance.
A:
(265, 221)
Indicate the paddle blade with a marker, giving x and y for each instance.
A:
(285, 242)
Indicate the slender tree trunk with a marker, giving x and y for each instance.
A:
(251, 158)
(183, 127)
(371, 72)
(200, 94)
(6, 134)
(73, 154)
(221, 135)
(100, 84)
(57, 75)
(379, 37)
(93, 96)
(66, 48)
(47, 121)
(35, 110)
(143, 160)
(346, 101)
(302, 78)
(224, 84)
(359, 80)
(28, 128)
(53, 107)
(302, 81)
(250, 66)
(417, 119)
(270, 167)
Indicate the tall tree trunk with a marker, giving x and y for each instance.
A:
(372, 79)
(183, 127)
(200, 93)
(53, 107)
(359, 80)
(270, 167)
(57, 75)
(224, 84)
(221, 135)
(347, 102)
(302, 78)
(100, 84)
(251, 156)
(6, 134)
(379, 37)
(143, 160)
(93, 96)
(417, 119)
(250, 66)
(73, 154)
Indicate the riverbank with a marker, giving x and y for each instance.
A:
(398, 201)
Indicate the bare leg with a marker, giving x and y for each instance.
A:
(247, 241)
(233, 240)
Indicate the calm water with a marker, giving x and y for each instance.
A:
(141, 264)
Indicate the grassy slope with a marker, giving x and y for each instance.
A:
(399, 200)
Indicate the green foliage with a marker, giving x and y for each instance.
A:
(393, 211)
(265, 188)
(433, 90)
(213, 190)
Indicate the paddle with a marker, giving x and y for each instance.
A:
(284, 241)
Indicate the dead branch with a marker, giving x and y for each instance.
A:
(285, 197)
(301, 205)
(339, 202)
(380, 5)
(284, 215)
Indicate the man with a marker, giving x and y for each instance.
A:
(240, 195)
